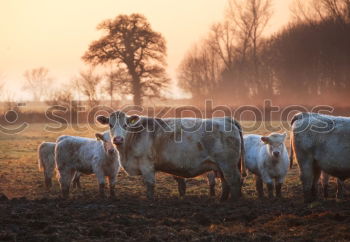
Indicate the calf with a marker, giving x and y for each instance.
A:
(77, 154)
(267, 158)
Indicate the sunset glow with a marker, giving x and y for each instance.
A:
(55, 34)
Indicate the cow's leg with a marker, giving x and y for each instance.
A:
(225, 189)
(306, 166)
(49, 170)
(325, 182)
(101, 181)
(270, 189)
(211, 180)
(314, 188)
(112, 181)
(268, 181)
(76, 181)
(259, 186)
(340, 189)
(65, 179)
(48, 182)
(278, 187)
(233, 179)
(148, 174)
(181, 185)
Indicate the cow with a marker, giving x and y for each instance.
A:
(184, 147)
(267, 158)
(46, 163)
(77, 154)
(320, 143)
(76, 179)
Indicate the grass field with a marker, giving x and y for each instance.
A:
(32, 214)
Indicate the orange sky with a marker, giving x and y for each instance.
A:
(55, 34)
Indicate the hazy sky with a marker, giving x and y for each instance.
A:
(56, 33)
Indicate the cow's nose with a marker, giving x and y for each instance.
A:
(276, 153)
(118, 140)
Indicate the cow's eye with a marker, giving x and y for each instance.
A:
(111, 125)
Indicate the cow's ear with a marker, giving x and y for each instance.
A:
(284, 135)
(102, 119)
(99, 136)
(133, 119)
(265, 139)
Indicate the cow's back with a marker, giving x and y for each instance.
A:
(47, 148)
(75, 151)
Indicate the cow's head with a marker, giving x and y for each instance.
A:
(275, 144)
(105, 138)
(118, 123)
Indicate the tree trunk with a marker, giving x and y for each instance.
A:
(136, 90)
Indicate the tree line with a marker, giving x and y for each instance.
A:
(306, 62)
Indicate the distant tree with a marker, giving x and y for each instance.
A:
(37, 82)
(87, 83)
(131, 43)
(310, 61)
(199, 72)
(62, 97)
(116, 80)
(250, 18)
(316, 10)
(9, 102)
(222, 39)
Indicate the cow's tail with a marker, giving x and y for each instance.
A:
(241, 160)
(296, 117)
(291, 156)
(40, 159)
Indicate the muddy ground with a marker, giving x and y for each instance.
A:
(30, 213)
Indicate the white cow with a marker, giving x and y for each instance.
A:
(267, 158)
(76, 154)
(184, 147)
(46, 163)
(320, 143)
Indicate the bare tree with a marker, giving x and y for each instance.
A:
(9, 101)
(62, 97)
(317, 10)
(199, 72)
(37, 82)
(131, 43)
(222, 40)
(249, 18)
(87, 83)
